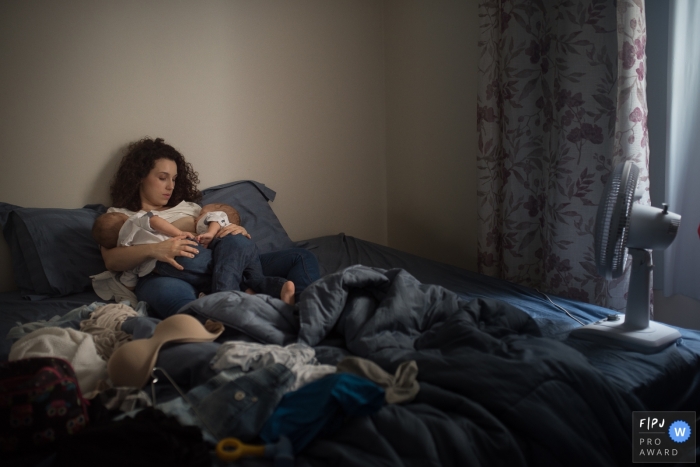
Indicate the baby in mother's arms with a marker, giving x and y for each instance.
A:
(154, 177)
(119, 229)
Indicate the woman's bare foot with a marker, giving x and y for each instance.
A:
(287, 293)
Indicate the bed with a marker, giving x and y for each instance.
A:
(501, 382)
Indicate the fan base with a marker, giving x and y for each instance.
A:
(651, 339)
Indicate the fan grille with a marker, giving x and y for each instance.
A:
(613, 220)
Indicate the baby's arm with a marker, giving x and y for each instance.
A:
(206, 238)
(164, 227)
(209, 224)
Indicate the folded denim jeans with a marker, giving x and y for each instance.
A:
(232, 403)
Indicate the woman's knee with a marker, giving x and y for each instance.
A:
(234, 249)
(308, 262)
(306, 256)
(296, 264)
(237, 240)
(165, 295)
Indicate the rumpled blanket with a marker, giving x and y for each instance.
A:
(493, 391)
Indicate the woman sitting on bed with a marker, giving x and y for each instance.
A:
(154, 176)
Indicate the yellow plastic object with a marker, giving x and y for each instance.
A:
(231, 449)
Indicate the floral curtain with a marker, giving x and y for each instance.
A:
(561, 101)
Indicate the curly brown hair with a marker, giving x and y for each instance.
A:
(136, 164)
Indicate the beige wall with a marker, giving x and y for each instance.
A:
(314, 98)
(289, 93)
(431, 55)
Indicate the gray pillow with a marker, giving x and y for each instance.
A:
(251, 199)
(53, 253)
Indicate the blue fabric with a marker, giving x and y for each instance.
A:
(233, 403)
(296, 264)
(140, 327)
(251, 199)
(17, 310)
(52, 250)
(230, 263)
(187, 364)
(166, 295)
(320, 407)
(254, 318)
(71, 319)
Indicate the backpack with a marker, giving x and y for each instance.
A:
(40, 403)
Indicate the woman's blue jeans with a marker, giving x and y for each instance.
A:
(166, 295)
(229, 263)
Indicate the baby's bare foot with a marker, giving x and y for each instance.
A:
(287, 293)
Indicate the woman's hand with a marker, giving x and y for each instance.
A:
(232, 229)
(167, 250)
(185, 234)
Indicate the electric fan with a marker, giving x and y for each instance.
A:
(622, 226)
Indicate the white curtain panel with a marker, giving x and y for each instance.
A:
(682, 258)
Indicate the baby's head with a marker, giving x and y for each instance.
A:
(106, 228)
(231, 213)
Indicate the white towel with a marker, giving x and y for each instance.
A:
(78, 348)
(107, 286)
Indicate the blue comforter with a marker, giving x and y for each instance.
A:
(493, 390)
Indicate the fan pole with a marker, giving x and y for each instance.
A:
(638, 295)
(633, 330)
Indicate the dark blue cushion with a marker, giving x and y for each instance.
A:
(251, 199)
(53, 253)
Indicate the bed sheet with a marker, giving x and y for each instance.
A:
(16, 310)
